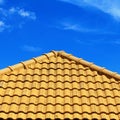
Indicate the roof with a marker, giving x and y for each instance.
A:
(59, 85)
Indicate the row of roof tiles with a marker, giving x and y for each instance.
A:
(89, 101)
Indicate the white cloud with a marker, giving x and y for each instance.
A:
(69, 26)
(28, 14)
(111, 7)
(74, 27)
(3, 26)
(14, 17)
(23, 13)
(12, 10)
(31, 48)
(2, 23)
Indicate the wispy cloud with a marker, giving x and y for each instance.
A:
(3, 26)
(29, 48)
(74, 27)
(111, 7)
(71, 25)
(15, 17)
(23, 13)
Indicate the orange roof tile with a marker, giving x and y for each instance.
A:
(59, 85)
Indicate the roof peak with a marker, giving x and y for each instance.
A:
(63, 54)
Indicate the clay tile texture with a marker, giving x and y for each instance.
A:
(59, 86)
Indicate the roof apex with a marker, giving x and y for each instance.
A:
(64, 54)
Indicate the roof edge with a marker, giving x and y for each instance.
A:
(90, 64)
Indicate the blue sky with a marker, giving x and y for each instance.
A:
(89, 29)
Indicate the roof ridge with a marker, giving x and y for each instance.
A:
(60, 53)
(90, 64)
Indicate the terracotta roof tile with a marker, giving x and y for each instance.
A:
(59, 85)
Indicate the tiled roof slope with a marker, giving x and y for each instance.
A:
(59, 85)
